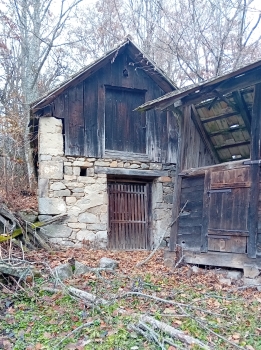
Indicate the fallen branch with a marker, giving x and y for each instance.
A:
(86, 297)
(173, 332)
(87, 324)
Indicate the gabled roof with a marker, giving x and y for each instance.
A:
(139, 57)
(221, 110)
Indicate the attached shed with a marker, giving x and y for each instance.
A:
(110, 168)
(217, 196)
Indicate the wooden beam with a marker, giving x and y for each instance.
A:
(234, 260)
(203, 134)
(242, 109)
(254, 172)
(129, 172)
(218, 117)
(177, 187)
(243, 143)
(227, 131)
(217, 167)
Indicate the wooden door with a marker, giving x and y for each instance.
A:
(228, 210)
(129, 215)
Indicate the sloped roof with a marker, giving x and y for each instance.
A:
(223, 109)
(138, 55)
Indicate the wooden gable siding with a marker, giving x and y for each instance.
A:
(83, 110)
(195, 152)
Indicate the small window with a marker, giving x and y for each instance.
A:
(83, 171)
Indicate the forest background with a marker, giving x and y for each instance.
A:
(43, 42)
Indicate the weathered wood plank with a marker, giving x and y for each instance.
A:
(129, 172)
(254, 172)
(205, 216)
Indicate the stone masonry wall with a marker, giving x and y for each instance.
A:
(62, 189)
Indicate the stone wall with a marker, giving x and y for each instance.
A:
(70, 185)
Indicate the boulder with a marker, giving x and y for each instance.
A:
(108, 263)
(63, 271)
(80, 268)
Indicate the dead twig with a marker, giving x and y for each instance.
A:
(87, 324)
(173, 332)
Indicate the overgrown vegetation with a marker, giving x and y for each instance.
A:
(222, 317)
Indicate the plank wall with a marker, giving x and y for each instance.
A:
(83, 104)
(195, 153)
(190, 222)
(259, 221)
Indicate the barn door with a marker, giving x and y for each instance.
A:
(228, 210)
(129, 215)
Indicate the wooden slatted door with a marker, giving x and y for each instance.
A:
(129, 215)
(228, 210)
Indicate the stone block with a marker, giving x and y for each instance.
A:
(51, 206)
(62, 193)
(70, 200)
(72, 185)
(29, 216)
(251, 271)
(43, 187)
(144, 166)
(90, 202)
(168, 198)
(51, 143)
(91, 159)
(99, 209)
(57, 186)
(90, 172)
(97, 227)
(87, 179)
(79, 225)
(50, 125)
(76, 194)
(67, 163)
(82, 164)
(102, 163)
(88, 218)
(120, 165)
(234, 274)
(85, 235)
(69, 177)
(78, 190)
(108, 263)
(114, 164)
(51, 170)
(126, 165)
(155, 166)
(164, 179)
(134, 166)
(76, 170)
(68, 170)
(56, 231)
(45, 157)
(157, 192)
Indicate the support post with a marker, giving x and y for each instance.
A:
(254, 172)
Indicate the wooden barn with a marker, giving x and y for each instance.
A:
(110, 168)
(217, 196)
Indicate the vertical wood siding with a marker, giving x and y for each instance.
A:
(88, 127)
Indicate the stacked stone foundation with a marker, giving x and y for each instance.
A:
(70, 185)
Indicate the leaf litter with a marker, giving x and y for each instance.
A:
(198, 305)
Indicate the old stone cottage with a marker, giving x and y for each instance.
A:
(110, 168)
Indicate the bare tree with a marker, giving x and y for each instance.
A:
(35, 36)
